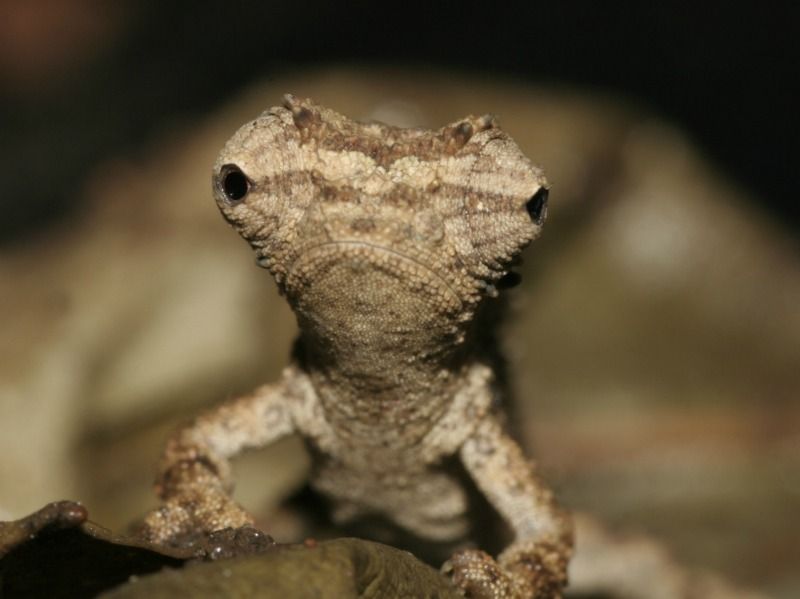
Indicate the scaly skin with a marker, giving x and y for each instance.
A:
(386, 242)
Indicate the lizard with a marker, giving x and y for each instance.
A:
(387, 243)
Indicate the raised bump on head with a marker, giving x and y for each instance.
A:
(460, 134)
(486, 121)
(302, 116)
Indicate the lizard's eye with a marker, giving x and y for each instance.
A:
(537, 206)
(233, 183)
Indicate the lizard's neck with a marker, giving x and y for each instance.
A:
(379, 383)
(382, 338)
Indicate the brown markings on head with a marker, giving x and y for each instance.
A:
(363, 225)
(461, 205)
(383, 143)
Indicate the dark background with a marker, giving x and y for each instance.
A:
(699, 450)
(83, 80)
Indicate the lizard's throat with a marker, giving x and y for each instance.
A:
(368, 308)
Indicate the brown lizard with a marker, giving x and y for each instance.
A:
(387, 243)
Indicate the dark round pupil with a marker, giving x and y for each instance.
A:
(536, 205)
(235, 184)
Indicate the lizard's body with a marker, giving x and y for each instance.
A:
(386, 243)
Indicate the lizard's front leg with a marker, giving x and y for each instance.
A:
(535, 564)
(194, 474)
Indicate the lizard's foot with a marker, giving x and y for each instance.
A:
(519, 575)
(478, 576)
(193, 512)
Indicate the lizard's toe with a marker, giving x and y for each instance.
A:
(478, 576)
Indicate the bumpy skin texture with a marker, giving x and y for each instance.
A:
(385, 242)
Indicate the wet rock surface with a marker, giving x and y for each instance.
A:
(56, 552)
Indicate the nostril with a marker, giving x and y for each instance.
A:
(234, 183)
(537, 205)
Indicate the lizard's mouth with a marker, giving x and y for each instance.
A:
(364, 278)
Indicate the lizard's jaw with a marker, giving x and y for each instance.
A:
(367, 298)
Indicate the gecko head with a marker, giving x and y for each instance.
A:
(378, 217)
